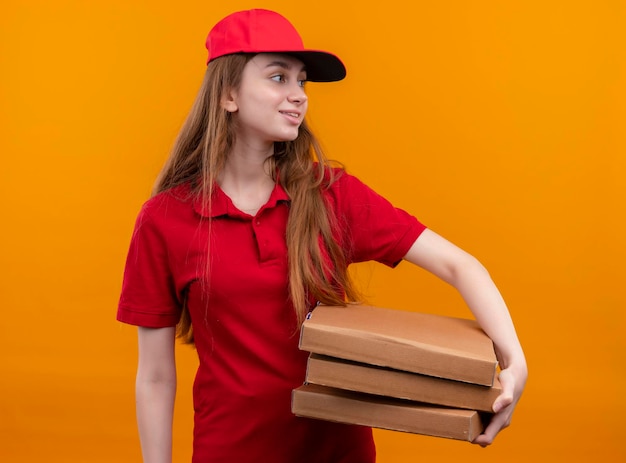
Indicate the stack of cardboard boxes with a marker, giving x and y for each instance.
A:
(398, 370)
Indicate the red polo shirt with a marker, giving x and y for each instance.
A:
(244, 324)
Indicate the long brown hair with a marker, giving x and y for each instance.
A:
(317, 264)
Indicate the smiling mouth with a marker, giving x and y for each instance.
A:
(296, 115)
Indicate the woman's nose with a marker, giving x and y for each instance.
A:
(297, 94)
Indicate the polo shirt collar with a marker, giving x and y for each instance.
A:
(222, 205)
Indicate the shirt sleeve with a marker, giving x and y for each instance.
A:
(373, 228)
(148, 296)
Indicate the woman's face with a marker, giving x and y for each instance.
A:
(270, 103)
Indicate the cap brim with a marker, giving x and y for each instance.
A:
(321, 66)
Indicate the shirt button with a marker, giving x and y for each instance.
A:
(258, 222)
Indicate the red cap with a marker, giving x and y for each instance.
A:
(264, 31)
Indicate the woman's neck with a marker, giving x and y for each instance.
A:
(246, 179)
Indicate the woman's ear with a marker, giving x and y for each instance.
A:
(229, 101)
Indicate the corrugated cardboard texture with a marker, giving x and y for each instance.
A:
(360, 377)
(314, 401)
(434, 345)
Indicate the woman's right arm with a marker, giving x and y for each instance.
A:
(155, 390)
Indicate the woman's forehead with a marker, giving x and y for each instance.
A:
(286, 61)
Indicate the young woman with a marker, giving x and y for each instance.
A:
(248, 229)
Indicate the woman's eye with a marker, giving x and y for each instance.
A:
(302, 83)
(278, 78)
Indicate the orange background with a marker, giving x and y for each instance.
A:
(499, 124)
